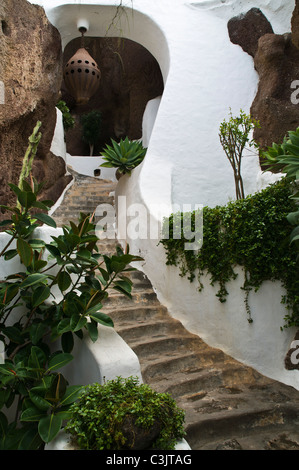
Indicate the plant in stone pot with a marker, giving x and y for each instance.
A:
(125, 155)
(125, 415)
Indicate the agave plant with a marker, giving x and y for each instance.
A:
(285, 157)
(125, 155)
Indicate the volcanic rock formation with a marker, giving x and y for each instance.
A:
(276, 59)
(31, 71)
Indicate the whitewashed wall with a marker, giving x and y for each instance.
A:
(204, 75)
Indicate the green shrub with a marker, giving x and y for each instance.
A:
(251, 232)
(114, 415)
(67, 118)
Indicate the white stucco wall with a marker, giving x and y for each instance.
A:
(204, 75)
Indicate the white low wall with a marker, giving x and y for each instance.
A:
(105, 359)
(87, 165)
(260, 344)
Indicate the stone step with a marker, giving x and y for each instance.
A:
(141, 297)
(130, 331)
(155, 369)
(159, 346)
(133, 314)
(251, 425)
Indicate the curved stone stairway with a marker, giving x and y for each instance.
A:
(227, 404)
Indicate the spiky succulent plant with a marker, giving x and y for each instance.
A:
(125, 155)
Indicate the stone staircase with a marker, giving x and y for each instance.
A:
(228, 405)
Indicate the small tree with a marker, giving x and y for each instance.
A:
(234, 136)
(91, 129)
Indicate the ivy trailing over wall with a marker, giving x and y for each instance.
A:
(253, 233)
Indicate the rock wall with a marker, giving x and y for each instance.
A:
(276, 59)
(31, 70)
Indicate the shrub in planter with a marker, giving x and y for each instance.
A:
(123, 414)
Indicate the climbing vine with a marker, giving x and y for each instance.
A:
(253, 233)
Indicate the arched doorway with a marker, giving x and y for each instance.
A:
(130, 77)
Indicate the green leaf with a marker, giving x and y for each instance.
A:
(92, 329)
(30, 439)
(33, 279)
(37, 331)
(3, 424)
(71, 395)
(32, 414)
(293, 217)
(37, 358)
(5, 222)
(67, 341)
(25, 251)
(124, 286)
(49, 427)
(40, 295)
(9, 254)
(26, 199)
(59, 360)
(14, 334)
(102, 318)
(94, 309)
(40, 205)
(64, 326)
(39, 401)
(15, 188)
(57, 389)
(64, 280)
(46, 219)
(36, 243)
(77, 322)
(54, 251)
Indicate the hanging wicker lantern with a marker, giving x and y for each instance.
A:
(82, 76)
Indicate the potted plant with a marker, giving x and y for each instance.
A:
(125, 415)
(125, 155)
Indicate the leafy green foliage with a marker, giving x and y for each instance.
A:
(125, 155)
(91, 128)
(31, 378)
(100, 417)
(253, 233)
(285, 158)
(234, 136)
(67, 118)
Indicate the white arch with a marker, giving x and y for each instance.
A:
(131, 24)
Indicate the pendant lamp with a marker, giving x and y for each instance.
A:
(82, 74)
